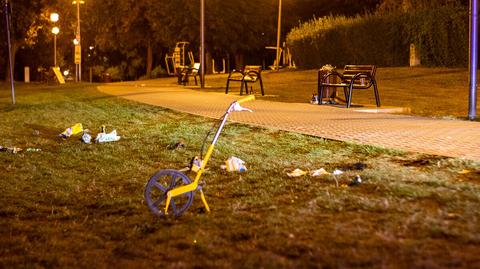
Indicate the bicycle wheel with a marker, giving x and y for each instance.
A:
(157, 188)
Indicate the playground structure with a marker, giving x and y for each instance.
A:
(181, 58)
(224, 69)
(285, 57)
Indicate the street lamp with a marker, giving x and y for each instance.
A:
(55, 31)
(202, 44)
(78, 48)
(8, 13)
(277, 67)
(89, 56)
(54, 17)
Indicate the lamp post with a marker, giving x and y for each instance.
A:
(55, 31)
(89, 56)
(54, 17)
(8, 12)
(277, 67)
(473, 66)
(78, 44)
(202, 44)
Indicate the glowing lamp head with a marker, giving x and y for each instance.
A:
(54, 17)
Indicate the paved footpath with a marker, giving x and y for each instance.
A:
(453, 138)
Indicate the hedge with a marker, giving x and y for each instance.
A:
(440, 34)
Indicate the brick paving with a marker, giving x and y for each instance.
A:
(452, 138)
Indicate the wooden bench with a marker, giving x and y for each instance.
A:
(250, 74)
(353, 77)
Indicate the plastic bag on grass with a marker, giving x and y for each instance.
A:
(234, 164)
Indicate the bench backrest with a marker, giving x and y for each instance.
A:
(256, 68)
(351, 70)
(355, 69)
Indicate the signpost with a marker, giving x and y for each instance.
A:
(78, 54)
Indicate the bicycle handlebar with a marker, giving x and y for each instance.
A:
(246, 99)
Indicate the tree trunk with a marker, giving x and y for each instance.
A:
(208, 63)
(239, 59)
(149, 59)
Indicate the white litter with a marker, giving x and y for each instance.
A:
(110, 137)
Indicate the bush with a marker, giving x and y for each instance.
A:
(114, 72)
(383, 39)
(158, 72)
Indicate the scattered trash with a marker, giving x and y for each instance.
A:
(296, 173)
(75, 129)
(337, 172)
(86, 137)
(464, 171)
(33, 150)
(178, 145)
(314, 100)
(328, 68)
(36, 132)
(319, 172)
(110, 137)
(195, 164)
(356, 181)
(234, 164)
(13, 150)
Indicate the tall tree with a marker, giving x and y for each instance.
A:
(26, 16)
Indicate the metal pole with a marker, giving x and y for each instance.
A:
(277, 67)
(54, 50)
(79, 41)
(202, 44)
(7, 21)
(473, 66)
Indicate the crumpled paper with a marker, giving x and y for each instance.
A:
(110, 137)
(319, 172)
(296, 173)
(234, 164)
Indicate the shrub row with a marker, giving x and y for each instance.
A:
(440, 34)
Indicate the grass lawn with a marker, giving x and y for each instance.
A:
(73, 205)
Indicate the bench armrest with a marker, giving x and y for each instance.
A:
(367, 75)
(234, 72)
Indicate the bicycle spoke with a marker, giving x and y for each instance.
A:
(156, 203)
(160, 187)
